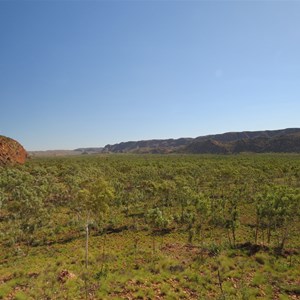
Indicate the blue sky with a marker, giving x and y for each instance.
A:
(88, 73)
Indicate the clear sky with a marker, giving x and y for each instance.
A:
(88, 73)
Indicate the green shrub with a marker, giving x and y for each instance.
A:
(5, 289)
(21, 296)
(258, 279)
(260, 258)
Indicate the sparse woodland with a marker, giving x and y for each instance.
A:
(151, 227)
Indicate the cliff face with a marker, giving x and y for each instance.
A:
(11, 152)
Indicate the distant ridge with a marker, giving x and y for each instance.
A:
(283, 140)
(51, 153)
(89, 150)
(149, 146)
(273, 141)
(235, 136)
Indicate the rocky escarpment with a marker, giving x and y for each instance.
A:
(11, 152)
(277, 141)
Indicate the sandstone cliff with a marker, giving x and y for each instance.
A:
(11, 152)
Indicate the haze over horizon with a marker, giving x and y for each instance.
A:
(86, 74)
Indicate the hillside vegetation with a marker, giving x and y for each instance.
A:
(151, 227)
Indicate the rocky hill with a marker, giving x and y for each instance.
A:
(284, 140)
(246, 135)
(277, 141)
(149, 146)
(11, 152)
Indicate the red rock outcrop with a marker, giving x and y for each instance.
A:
(11, 152)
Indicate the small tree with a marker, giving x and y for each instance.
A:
(189, 218)
(158, 221)
(201, 204)
(92, 205)
(232, 214)
(277, 207)
(184, 196)
(167, 193)
(28, 211)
